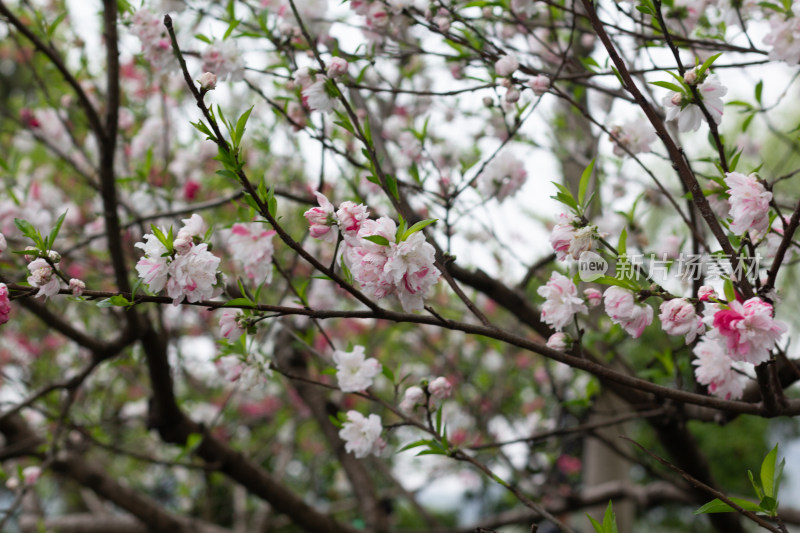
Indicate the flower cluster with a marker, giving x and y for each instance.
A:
(156, 47)
(43, 275)
(361, 435)
(184, 266)
(353, 371)
(382, 261)
(622, 308)
(570, 238)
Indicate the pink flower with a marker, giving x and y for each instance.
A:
(207, 81)
(224, 59)
(706, 293)
(506, 65)
(350, 217)
(502, 177)
(354, 372)
(153, 267)
(361, 435)
(749, 329)
(251, 245)
(43, 277)
(540, 84)
(440, 388)
(749, 203)
(193, 275)
(410, 267)
(77, 287)
(562, 302)
(413, 397)
(229, 326)
(30, 474)
(678, 317)
(715, 368)
(337, 67)
(568, 240)
(622, 309)
(5, 304)
(3, 243)
(593, 297)
(558, 341)
(321, 219)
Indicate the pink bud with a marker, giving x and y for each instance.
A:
(338, 66)
(77, 287)
(440, 388)
(208, 81)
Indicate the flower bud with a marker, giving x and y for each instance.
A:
(208, 81)
(77, 287)
(337, 67)
(440, 388)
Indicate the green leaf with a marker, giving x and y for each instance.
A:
(29, 231)
(707, 63)
(391, 184)
(768, 472)
(386, 371)
(417, 227)
(584, 183)
(668, 85)
(759, 89)
(610, 519)
(377, 239)
(239, 302)
(415, 444)
(240, 126)
(718, 506)
(622, 245)
(51, 239)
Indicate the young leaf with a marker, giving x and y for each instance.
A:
(417, 227)
(768, 472)
(378, 239)
(584, 183)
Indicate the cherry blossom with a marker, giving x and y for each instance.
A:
(229, 324)
(207, 81)
(361, 435)
(251, 245)
(502, 177)
(413, 397)
(317, 98)
(223, 58)
(689, 115)
(562, 302)
(715, 369)
(43, 277)
(620, 306)
(540, 84)
(634, 137)
(440, 388)
(77, 287)
(749, 202)
(353, 371)
(678, 317)
(749, 329)
(5, 304)
(558, 341)
(193, 275)
(321, 219)
(506, 65)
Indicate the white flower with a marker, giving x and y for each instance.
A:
(540, 84)
(153, 267)
(440, 388)
(229, 325)
(353, 372)
(688, 113)
(193, 275)
(749, 202)
(251, 245)
(413, 397)
(77, 287)
(558, 341)
(502, 177)
(224, 59)
(208, 81)
(562, 302)
(337, 67)
(317, 98)
(410, 267)
(43, 277)
(506, 65)
(715, 369)
(362, 436)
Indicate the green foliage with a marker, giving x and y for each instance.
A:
(609, 524)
